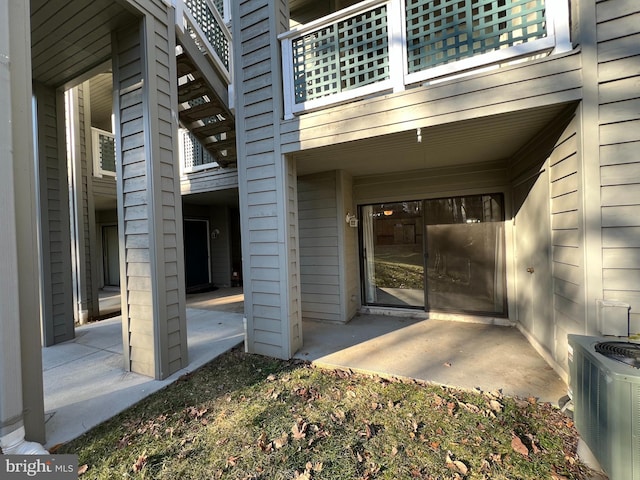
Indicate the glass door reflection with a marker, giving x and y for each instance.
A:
(465, 254)
(446, 254)
(393, 254)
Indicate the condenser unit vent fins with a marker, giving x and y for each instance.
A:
(606, 396)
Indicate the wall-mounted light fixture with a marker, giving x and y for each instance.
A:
(387, 213)
(351, 219)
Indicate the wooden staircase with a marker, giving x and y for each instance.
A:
(203, 103)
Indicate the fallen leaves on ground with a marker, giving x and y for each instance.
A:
(252, 418)
(456, 465)
(140, 463)
(518, 446)
(299, 430)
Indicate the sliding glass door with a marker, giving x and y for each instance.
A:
(465, 254)
(393, 254)
(446, 254)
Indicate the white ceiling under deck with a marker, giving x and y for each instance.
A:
(71, 37)
(480, 140)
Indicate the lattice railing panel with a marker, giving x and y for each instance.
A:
(219, 4)
(103, 149)
(315, 64)
(380, 46)
(364, 48)
(342, 56)
(193, 153)
(107, 153)
(213, 31)
(444, 31)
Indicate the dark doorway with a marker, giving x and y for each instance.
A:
(110, 256)
(196, 254)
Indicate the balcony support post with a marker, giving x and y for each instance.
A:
(396, 22)
(21, 389)
(154, 326)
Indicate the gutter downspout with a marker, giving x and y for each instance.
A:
(14, 444)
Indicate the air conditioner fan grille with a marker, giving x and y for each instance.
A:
(625, 352)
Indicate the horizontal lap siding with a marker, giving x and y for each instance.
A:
(267, 183)
(262, 250)
(134, 221)
(619, 115)
(566, 239)
(209, 181)
(57, 305)
(151, 215)
(89, 290)
(221, 264)
(264, 261)
(170, 208)
(319, 246)
(529, 85)
(292, 228)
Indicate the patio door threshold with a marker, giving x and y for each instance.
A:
(416, 314)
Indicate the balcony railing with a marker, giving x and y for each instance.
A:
(385, 45)
(205, 21)
(104, 153)
(193, 156)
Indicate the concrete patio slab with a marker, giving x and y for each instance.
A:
(465, 355)
(85, 382)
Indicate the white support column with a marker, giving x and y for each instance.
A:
(397, 43)
(74, 173)
(80, 202)
(21, 402)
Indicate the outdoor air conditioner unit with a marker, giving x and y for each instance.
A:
(606, 395)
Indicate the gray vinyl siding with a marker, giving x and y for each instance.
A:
(89, 290)
(220, 247)
(150, 212)
(54, 212)
(567, 246)
(548, 81)
(267, 191)
(349, 247)
(209, 181)
(169, 225)
(618, 36)
(329, 266)
(133, 225)
(104, 187)
(320, 245)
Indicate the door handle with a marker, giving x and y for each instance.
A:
(530, 270)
